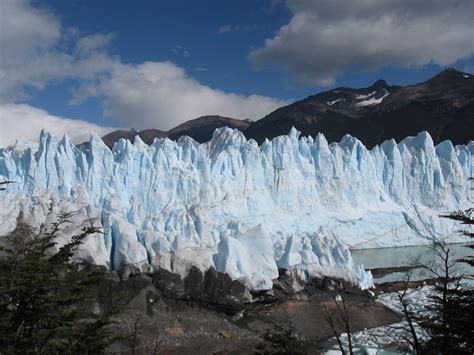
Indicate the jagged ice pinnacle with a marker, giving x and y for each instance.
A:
(292, 203)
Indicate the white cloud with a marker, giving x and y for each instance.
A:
(24, 122)
(32, 51)
(149, 95)
(224, 29)
(181, 51)
(162, 95)
(31, 40)
(25, 31)
(327, 37)
(93, 42)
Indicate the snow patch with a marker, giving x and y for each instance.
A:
(372, 101)
(360, 97)
(330, 103)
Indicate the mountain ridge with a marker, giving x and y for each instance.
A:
(200, 129)
(442, 106)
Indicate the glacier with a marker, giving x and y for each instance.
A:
(293, 203)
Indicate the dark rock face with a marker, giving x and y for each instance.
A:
(212, 288)
(202, 128)
(164, 310)
(443, 106)
(219, 291)
(148, 136)
(199, 129)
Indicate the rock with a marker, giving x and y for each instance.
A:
(127, 271)
(238, 316)
(170, 284)
(174, 330)
(210, 287)
(225, 334)
(289, 285)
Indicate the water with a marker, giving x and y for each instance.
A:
(393, 264)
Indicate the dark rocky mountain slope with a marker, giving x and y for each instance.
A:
(200, 129)
(443, 106)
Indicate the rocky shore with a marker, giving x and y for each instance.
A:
(208, 313)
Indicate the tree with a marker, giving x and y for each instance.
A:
(445, 326)
(440, 316)
(449, 322)
(466, 218)
(43, 295)
(341, 317)
(411, 336)
(457, 334)
(283, 340)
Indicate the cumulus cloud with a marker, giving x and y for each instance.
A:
(24, 122)
(148, 95)
(32, 47)
(25, 30)
(32, 55)
(327, 37)
(94, 42)
(162, 94)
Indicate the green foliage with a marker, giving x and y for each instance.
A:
(466, 218)
(43, 295)
(449, 322)
(281, 340)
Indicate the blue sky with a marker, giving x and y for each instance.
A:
(156, 64)
(185, 32)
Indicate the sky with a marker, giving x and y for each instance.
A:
(72, 66)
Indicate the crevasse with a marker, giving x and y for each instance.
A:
(291, 203)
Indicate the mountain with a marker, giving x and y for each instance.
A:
(443, 106)
(200, 129)
(147, 135)
(242, 209)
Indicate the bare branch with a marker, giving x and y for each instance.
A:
(330, 320)
(415, 344)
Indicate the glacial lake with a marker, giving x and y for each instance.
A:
(392, 264)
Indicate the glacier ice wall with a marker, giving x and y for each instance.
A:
(246, 210)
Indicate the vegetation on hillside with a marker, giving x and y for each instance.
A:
(44, 298)
(448, 324)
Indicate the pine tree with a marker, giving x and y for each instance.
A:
(459, 328)
(451, 325)
(43, 295)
